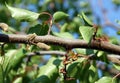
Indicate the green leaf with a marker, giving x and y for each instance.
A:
(87, 33)
(17, 58)
(118, 32)
(45, 16)
(117, 66)
(85, 51)
(114, 40)
(58, 16)
(18, 80)
(49, 72)
(86, 20)
(118, 21)
(93, 76)
(63, 35)
(105, 80)
(13, 59)
(63, 28)
(1, 74)
(39, 29)
(100, 53)
(6, 61)
(117, 2)
(22, 14)
(73, 69)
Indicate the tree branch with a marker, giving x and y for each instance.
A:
(67, 43)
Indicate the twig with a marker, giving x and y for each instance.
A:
(60, 53)
(112, 58)
(112, 71)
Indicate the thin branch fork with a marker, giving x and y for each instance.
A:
(114, 59)
(67, 43)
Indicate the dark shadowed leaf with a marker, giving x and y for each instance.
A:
(39, 29)
(117, 2)
(73, 69)
(118, 32)
(45, 16)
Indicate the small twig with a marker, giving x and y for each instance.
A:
(112, 71)
(118, 75)
(112, 58)
(49, 21)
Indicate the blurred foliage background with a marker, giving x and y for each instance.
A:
(25, 70)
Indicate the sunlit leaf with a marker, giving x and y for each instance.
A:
(86, 20)
(18, 57)
(87, 33)
(85, 51)
(18, 80)
(105, 80)
(93, 76)
(116, 66)
(22, 14)
(13, 59)
(84, 4)
(49, 72)
(114, 40)
(63, 35)
(58, 16)
(7, 59)
(63, 28)
(100, 53)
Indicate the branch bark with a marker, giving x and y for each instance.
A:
(67, 43)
